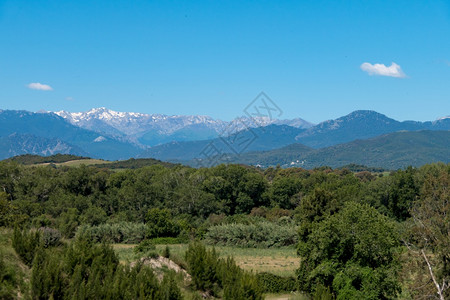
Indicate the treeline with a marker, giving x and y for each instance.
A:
(71, 196)
(359, 235)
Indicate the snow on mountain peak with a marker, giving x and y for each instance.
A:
(104, 120)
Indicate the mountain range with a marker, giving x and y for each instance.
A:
(107, 134)
(362, 124)
(155, 129)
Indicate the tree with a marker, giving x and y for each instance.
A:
(353, 252)
(160, 223)
(429, 233)
(202, 266)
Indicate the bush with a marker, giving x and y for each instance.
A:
(161, 224)
(25, 243)
(202, 266)
(122, 232)
(84, 270)
(8, 280)
(168, 240)
(50, 237)
(261, 234)
(270, 283)
(166, 252)
(210, 273)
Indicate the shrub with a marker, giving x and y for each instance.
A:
(160, 223)
(84, 270)
(25, 243)
(8, 280)
(168, 240)
(210, 273)
(261, 234)
(270, 283)
(202, 265)
(50, 237)
(166, 252)
(122, 232)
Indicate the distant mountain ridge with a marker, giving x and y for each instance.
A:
(389, 151)
(362, 124)
(51, 128)
(154, 129)
(252, 139)
(18, 144)
(185, 138)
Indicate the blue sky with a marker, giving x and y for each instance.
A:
(214, 57)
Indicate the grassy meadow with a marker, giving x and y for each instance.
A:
(279, 261)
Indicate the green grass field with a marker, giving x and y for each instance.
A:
(278, 261)
(79, 162)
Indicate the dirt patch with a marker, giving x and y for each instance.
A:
(161, 263)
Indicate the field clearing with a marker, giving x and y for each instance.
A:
(78, 162)
(278, 261)
(290, 296)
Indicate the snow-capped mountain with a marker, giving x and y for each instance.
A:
(153, 129)
(131, 123)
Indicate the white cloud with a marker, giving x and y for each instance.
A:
(69, 98)
(39, 86)
(393, 70)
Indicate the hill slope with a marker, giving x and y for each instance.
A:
(390, 151)
(256, 139)
(361, 124)
(18, 144)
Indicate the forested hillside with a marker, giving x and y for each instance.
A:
(391, 151)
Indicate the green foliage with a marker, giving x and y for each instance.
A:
(262, 234)
(323, 293)
(145, 248)
(6, 210)
(175, 204)
(160, 224)
(428, 233)
(394, 195)
(202, 265)
(353, 252)
(169, 287)
(133, 163)
(50, 237)
(25, 243)
(168, 240)
(362, 168)
(166, 252)
(94, 216)
(84, 270)
(8, 279)
(122, 232)
(210, 273)
(270, 283)
(68, 222)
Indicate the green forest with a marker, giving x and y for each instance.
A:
(357, 233)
